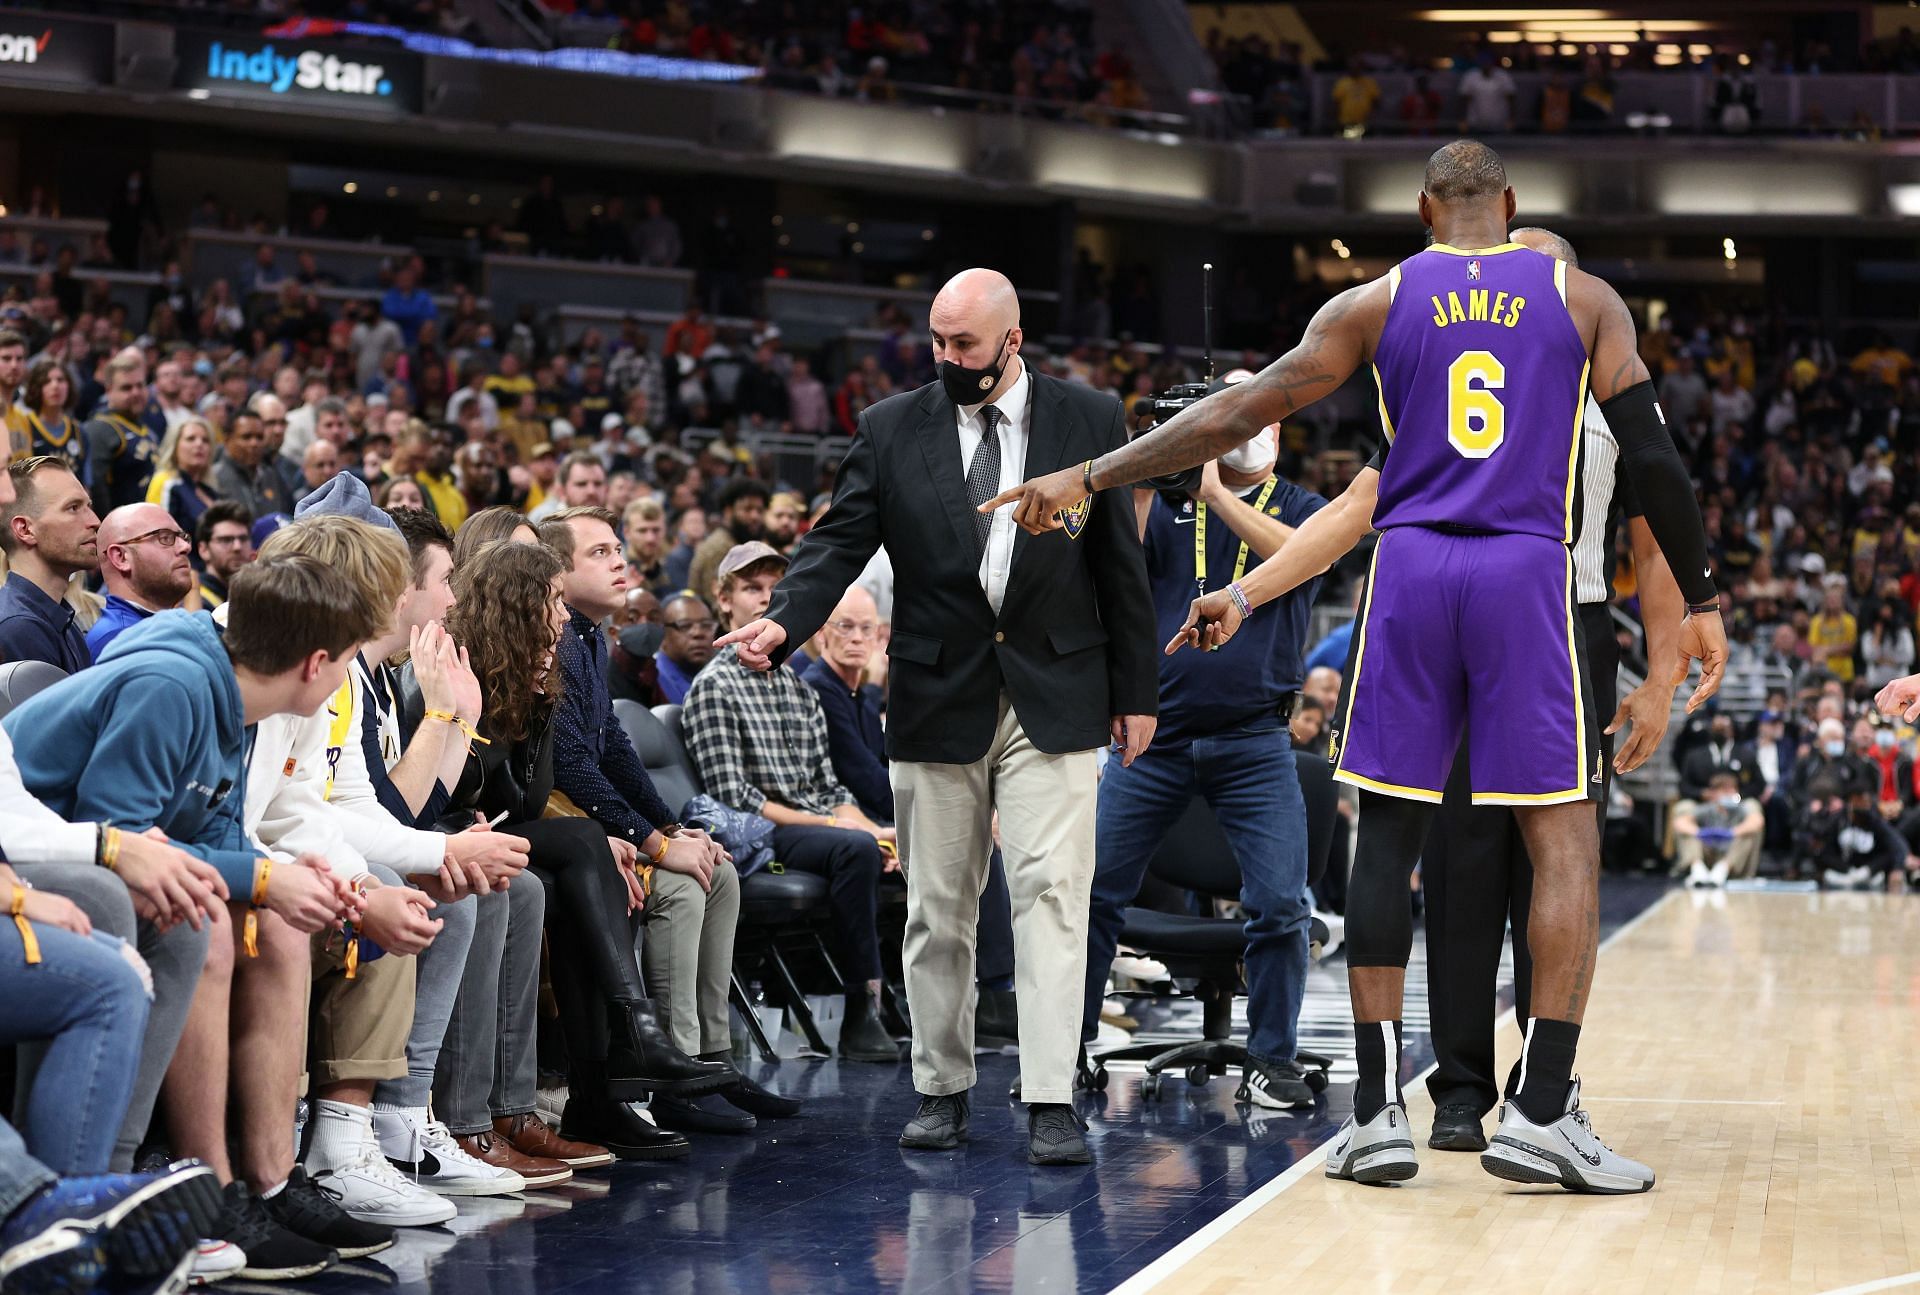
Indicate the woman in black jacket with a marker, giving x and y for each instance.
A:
(508, 617)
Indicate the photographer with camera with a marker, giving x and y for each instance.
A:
(1223, 735)
(1845, 842)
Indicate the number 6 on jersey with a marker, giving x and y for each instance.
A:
(1476, 420)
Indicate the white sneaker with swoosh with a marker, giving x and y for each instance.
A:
(1567, 1152)
(1379, 1151)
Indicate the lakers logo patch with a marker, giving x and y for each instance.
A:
(1074, 520)
(1333, 746)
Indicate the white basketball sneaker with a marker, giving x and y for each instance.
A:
(426, 1153)
(1379, 1151)
(1567, 1152)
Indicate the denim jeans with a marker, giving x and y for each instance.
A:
(487, 1066)
(1249, 778)
(85, 1001)
(437, 973)
(175, 958)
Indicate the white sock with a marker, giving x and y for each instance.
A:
(274, 1191)
(340, 1129)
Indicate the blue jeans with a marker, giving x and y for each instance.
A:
(85, 1001)
(1249, 778)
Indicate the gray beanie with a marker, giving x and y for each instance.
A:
(344, 496)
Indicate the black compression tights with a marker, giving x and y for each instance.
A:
(1379, 910)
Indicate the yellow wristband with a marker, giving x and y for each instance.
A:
(448, 717)
(28, 941)
(250, 934)
(656, 858)
(110, 848)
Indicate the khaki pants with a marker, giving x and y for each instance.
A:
(945, 816)
(686, 953)
(360, 1026)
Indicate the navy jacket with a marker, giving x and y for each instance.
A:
(593, 762)
(855, 739)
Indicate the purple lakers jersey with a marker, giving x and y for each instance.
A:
(1482, 379)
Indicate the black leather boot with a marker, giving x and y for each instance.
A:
(620, 1128)
(862, 1037)
(641, 1059)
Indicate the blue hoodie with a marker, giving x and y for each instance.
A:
(154, 735)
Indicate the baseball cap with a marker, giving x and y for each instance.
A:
(745, 555)
(541, 451)
(612, 420)
(268, 525)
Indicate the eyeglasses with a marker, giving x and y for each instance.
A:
(689, 627)
(171, 536)
(863, 629)
(228, 540)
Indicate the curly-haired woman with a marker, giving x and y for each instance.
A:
(509, 615)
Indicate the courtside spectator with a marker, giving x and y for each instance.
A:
(144, 567)
(760, 741)
(121, 447)
(50, 537)
(223, 539)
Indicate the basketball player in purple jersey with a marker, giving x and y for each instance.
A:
(1483, 351)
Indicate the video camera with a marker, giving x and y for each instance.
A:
(1178, 397)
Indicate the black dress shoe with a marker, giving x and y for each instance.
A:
(621, 1128)
(641, 1059)
(1054, 1135)
(939, 1125)
(703, 1114)
(862, 1037)
(996, 1020)
(753, 1098)
(1456, 1127)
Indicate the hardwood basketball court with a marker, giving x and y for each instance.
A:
(1758, 1049)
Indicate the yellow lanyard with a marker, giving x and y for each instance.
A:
(1200, 537)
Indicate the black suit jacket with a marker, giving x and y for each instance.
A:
(1700, 767)
(1073, 644)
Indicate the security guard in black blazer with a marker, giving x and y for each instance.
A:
(1014, 657)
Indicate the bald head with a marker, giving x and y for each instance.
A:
(1545, 240)
(975, 324)
(141, 560)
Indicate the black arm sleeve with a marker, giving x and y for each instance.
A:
(1659, 478)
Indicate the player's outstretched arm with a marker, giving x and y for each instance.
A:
(1316, 544)
(1652, 463)
(1336, 342)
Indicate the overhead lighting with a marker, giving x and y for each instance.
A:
(199, 94)
(351, 187)
(1511, 15)
(1728, 250)
(1556, 23)
(1504, 37)
(1904, 199)
(393, 191)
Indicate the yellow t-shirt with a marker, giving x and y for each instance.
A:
(1354, 97)
(1832, 639)
(448, 503)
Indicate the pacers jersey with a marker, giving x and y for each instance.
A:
(1482, 379)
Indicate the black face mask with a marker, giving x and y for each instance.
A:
(643, 639)
(970, 386)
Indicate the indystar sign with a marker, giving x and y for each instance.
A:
(307, 69)
(315, 72)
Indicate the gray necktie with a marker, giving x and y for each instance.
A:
(983, 477)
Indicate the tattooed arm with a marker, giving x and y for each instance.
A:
(1337, 341)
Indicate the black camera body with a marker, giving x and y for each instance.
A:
(1165, 406)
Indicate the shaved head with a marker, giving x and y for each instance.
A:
(1464, 171)
(977, 301)
(122, 524)
(155, 573)
(1545, 240)
(975, 324)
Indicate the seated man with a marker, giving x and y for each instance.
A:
(144, 566)
(223, 537)
(760, 742)
(1719, 835)
(688, 645)
(636, 632)
(694, 901)
(1845, 841)
(155, 737)
(48, 537)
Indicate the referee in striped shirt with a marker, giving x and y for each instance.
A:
(1475, 869)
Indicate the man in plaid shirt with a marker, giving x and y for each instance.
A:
(760, 741)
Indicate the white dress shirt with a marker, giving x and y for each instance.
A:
(997, 561)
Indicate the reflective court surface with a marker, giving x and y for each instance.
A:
(828, 1202)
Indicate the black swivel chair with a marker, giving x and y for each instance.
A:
(20, 680)
(773, 905)
(1196, 856)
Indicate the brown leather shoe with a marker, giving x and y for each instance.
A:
(538, 1172)
(529, 1135)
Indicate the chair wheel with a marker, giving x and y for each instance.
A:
(1013, 1090)
(1317, 1080)
(1150, 1087)
(1198, 1074)
(1097, 1079)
